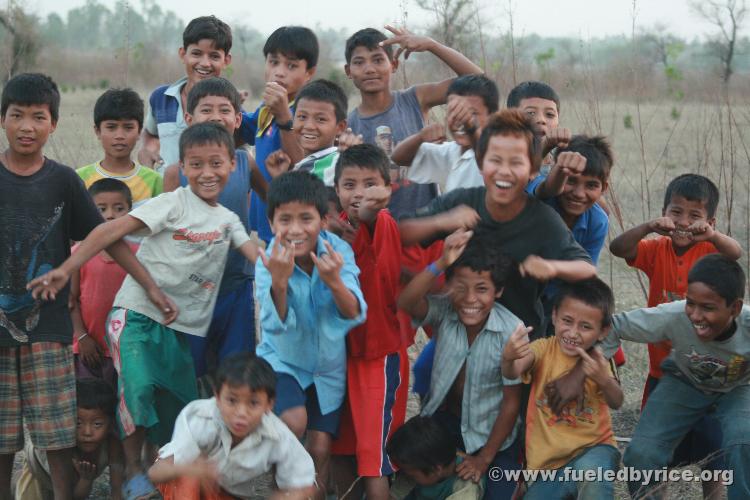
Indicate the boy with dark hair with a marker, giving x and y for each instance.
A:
(476, 402)
(706, 373)
(206, 43)
(580, 439)
(291, 54)
(471, 100)
(310, 299)
(225, 442)
(43, 206)
(96, 448)
(118, 120)
(187, 238)
(427, 459)
(377, 363)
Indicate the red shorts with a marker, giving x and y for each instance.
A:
(375, 407)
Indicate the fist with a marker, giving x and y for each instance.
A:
(537, 268)
(454, 246)
(275, 97)
(663, 225)
(556, 138)
(277, 163)
(462, 217)
(701, 231)
(570, 163)
(376, 198)
(348, 139)
(517, 346)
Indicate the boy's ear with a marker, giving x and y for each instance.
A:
(499, 293)
(181, 52)
(98, 132)
(712, 221)
(604, 333)
(340, 127)
(237, 120)
(309, 73)
(394, 65)
(188, 119)
(605, 186)
(227, 60)
(736, 307)
(346, 70)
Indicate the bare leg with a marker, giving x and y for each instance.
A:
(344, 474)
(61, 472)
(377, 488)
(319, 447)
(6, 469)
(296, 419)
(131, 447)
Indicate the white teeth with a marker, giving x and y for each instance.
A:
(310, 137)
(470, 310)
(296, 242)
(503, 184)
(569, 342)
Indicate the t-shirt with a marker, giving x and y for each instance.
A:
(667, 274)
(166, 120)
(100, 280)
(402, 119)
(552, 440)
(185, 249)
(537, 230)
(143, 182)
(321, 163)
(200, 431)
(447, 165)
(39, 215)
(378, 257)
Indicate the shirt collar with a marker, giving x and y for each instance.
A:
(174, 89)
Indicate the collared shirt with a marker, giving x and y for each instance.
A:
(310, 343)
(447, 165)
(166, 120)
(321, 163)
(200, 431)
(483, 386)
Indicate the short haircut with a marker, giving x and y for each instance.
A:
(368, 38)
(423, 444)
(208, 28)
(201, 134)
(479, 86)
(596, 150)
(531, 89)
(247, 369)
(593, 292)
(480, 255)
(215, 86)
(333, 198)
(96, 394)
(367, 156)
(294, 42)
(119, 104)
(29, 89)
(110, 185)
(721, 274)
(326, 91)
(510, 122)
(302, 187)
(693, 187)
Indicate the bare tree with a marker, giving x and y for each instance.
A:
(20, 28)
(453, 21)
(727, 16)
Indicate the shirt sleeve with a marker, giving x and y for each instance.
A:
(294, 466)
(239, 234)
(645, 256)
(184, 444)
(538, 348)
(438, 307)
(596, 237)
(350, 277)
(249, 126)
(534, 183)
(84, 214)
(431, 163)
(149, 123)
(158, 213)
(270, 322)
(561, 243)
(647, 325)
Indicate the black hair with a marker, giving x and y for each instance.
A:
(368, 38)
(366, 156)
(110, 185)
(721, 274)
(201, 134)
(480, 255)
(215, 86)
(208, 28)
(593, 292)
(119, 104)
(423, 444)
(510, 122)
(96, 394)
(596, 150)
(693, 187)
(247, 369)
(333, 197)
(326, 91)
(299, 186)
(294, 42)
(28, 89)
(531, 89)
(479, 86)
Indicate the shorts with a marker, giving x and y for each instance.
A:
(38, 387)
(156, 374)
(289, 394)
(374, 408)
(190, 488)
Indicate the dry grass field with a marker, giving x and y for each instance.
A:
(653, 142)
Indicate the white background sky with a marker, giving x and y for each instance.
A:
(579, 18)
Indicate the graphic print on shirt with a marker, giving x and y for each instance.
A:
(24, 265)
(202, 286)
(569, 415)
(714, 372)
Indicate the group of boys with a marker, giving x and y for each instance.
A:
(499, 269)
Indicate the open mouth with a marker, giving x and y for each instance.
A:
(204, 72)
(503, 185)
(470, 311)
(702, 329)
(572, 344)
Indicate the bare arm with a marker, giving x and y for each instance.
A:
(596, 367)
(514, 368)
(566, 270)
(568, 163)
(625, 246)
(171, 178)
(435, 94)
(420, 229)
(258, 183)
(726, 245)
(149, 153)
(249, 250)
(165, 470)
(74, 306)
(407, 149)
(413, 298)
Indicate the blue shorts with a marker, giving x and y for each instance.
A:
(289, 394)
(423, 370)
(232, 330)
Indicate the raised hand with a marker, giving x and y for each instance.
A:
(517, 346)
(556, 138)
(663, 225)
(340, 228)
(376, 198)
(329, 265)
(701, 231)
(86, 470)
(407, 41)
(280, 264)
(454, 246)
(571, 163)
(537, 268)
(277, 100)
(434, 132)
(595, 365)
(277, 163)
(347, 139)
(461, 217)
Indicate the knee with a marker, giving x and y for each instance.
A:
(296, 421)
(646, 455)
(319, 450)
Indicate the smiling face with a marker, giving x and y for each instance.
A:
(506, 168)
(118, 137)
(479, 113)
(290, 73)
(370, 70)
(297, 224)
(92, 429)
(543, 113)
(577, 324)
(111, 204)
(216, 109)
(203, 60)
(684, 213)
(207, 168)
(315, 125)
(473, 296)
(351, 187)
(242, 409)
(709, 312)
(580, 193)
(27, 128)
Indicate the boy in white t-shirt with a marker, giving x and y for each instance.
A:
(187, 239)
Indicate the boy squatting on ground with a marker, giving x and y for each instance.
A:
(707, 368)
(188, 235)
(220, 445)
(96, 448)
(43, 206)
(576, 439)
(206, 42)
(118, 120)
(94, 287)
(469, 395)
(310, 298)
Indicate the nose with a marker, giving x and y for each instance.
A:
(578, 192)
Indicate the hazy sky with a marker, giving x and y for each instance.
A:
(579, 18)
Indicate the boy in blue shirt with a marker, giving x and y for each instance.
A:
(310, 298)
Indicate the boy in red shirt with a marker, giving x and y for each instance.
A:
(377, 365)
